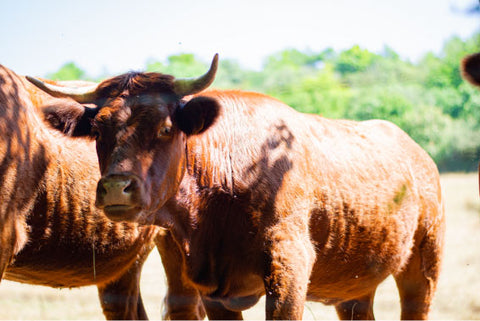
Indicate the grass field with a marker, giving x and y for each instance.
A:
(457, 297)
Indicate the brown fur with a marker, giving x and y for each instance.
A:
(50, 231)
(470, 66)
(272, 201)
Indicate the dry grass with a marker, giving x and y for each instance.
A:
(457, 297)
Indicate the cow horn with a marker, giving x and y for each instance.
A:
(79, 94)
(189, 86)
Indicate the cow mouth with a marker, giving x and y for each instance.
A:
(122, 212)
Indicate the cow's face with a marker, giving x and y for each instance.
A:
(140, 125)
(471, 68)
(141, 150)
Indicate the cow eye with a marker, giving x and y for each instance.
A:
(164, 131)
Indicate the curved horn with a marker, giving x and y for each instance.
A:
(80, 94)
(189, 86)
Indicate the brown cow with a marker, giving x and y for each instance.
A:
(470, 67)
(267, 200)
(50, 231)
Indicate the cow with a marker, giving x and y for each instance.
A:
(262, 199)
(470, 69)
(51, 233)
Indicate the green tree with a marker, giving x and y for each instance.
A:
(382, 102)
(181, 66)
(452, 143)
(354, 59)
(386, 71)
(69, 71)
(321, 93)
(231, 75)
(293, 58)
(428, 99)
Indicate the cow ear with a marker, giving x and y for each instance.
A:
(197, 115)
(471, 69)
(70, 118)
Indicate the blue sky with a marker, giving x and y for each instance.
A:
(111, 36)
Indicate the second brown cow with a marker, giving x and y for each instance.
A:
(470, 67)
(50, 231)
(263, 200)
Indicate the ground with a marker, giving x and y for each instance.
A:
(457, 296)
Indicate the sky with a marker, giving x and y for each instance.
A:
(115, 36)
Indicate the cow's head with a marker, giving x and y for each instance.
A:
(140, 123)
(471, 69)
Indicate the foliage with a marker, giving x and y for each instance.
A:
(354, 60)
(69, 71)
(182, 65)
(428, 99)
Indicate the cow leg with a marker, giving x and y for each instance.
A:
(417, 281)
(182, 301)
(289, 259)
(8, 240)
(358, 309)
(121, 299)
(5, 258)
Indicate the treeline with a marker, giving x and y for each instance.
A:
(428, 98)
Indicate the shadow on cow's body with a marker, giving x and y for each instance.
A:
(268, 200)
(50, 231)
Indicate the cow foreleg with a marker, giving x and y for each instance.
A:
(121, 299)
(182, 301)
(358, 309)
(289, 261)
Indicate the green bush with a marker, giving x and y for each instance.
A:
(428, 99)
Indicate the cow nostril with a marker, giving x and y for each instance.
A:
(128, 189)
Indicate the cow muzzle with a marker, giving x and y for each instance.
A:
(119, 196)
